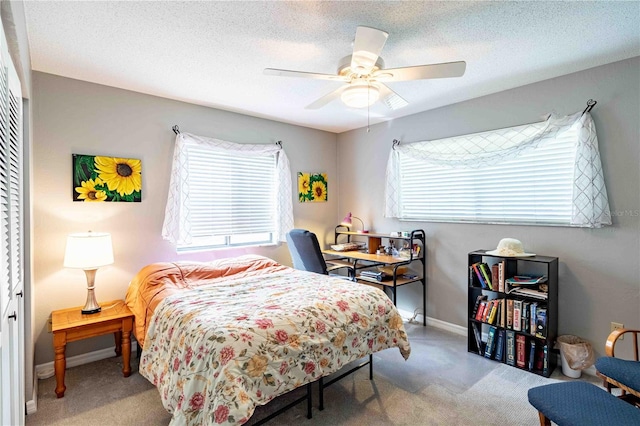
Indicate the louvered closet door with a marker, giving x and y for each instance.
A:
(5, 269)
(11, 245)
(5, 283)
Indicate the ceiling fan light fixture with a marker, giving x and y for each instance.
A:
(360, 95)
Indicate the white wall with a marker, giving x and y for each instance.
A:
(75, 117)
(599, 268)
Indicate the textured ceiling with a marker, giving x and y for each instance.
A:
(213, 53)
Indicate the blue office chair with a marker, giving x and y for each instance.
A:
(307, 255)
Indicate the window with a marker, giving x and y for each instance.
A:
(545, 173)
(227, 195)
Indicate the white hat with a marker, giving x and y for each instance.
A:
(510, 247)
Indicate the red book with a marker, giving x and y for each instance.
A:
(487, 311)
(481, 309)
(521, 350)
(495, 277)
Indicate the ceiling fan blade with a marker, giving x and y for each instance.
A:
(390, 98)
(303, 74)
(366, 49)
(419, 72)
(319, 103)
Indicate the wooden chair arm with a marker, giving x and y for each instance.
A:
(615, 335)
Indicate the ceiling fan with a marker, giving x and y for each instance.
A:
(364, 74)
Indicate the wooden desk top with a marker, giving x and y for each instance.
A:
(64, 319)
(380, 258)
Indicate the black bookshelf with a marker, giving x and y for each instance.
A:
(544, 358)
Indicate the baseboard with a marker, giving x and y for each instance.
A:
(32, 405)
(433, 322)
(46, 370)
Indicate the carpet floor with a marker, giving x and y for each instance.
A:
(440, 384)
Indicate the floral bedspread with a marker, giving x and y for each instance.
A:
(217, 352)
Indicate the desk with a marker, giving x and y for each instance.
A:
(69, 325)
(371, 259)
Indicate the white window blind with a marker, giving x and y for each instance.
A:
(533, 174)
(231, 196)
(225, 194)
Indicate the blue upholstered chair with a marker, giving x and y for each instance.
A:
(579, 403)
(618, 372)
(307, 255)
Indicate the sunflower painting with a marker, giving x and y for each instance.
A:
(312, 187)
(98, 178)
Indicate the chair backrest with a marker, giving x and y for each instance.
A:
(305, 251)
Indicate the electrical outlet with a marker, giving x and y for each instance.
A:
(615, 326)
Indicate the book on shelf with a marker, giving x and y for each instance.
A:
(487, 310)
(491, 342)
(479, 299)
(503, 313)
(532, 354)
(494, 276)
(541, 323)
(524, 316)
(501, 273)
(486, 274)
(521, 351)
(476, 334)
(481, 309)
(510, 347)
(498, 312)
(539, 363)
(491, 318)
(532, 317)
(509, 313)
(471, 275)
(476, 269)
(517, 310)
(500, 345)
(545, 360)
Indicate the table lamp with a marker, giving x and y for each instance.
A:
(347, 221)
(89, 251)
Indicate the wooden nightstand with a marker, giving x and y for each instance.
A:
(69, 325)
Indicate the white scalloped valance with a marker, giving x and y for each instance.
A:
(485, 150)
(178, 221)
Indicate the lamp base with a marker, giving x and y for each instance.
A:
(91, 306)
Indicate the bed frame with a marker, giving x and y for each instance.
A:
(321, 386)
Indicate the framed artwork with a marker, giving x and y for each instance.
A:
(312, 188)
(97, 178)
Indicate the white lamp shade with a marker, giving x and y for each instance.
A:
(88, 250)
(360, 95)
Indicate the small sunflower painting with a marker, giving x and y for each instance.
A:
(312, 187)
(97, 178)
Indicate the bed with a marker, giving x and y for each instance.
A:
(223, 337)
